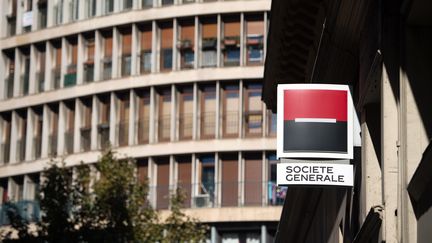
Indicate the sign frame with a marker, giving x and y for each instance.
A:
(280, 122)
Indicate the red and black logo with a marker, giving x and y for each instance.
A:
(315, 121)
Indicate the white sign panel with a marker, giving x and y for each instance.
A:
(315, 174)
(27, 19)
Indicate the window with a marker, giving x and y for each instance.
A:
(276, 195)
(254, 40)
(186, 43)
(42, 18)
(146, 49)
(208, 42)
(126, 50)
(184, 177)
(53, 128)
(185, 112)
(25, 71)
(109, 6)
(16, 189)
(208, 111)
(70, 77)
(164, 119)
(231, 41)
(3, 190)
(37, 131)
(5, 141)
(21, 138)
(167, 2)
(86, 118)
(103, 122)
(147, 3)
(162, 189)
(9, 81)
(56, 69)
(89, 59)
(253, 113)
(271, 118)
(166, 45)
(40, 68)
(253, 183)
(127, 4)
(69, 126)
(90, 8)
(206, 179)
(123, 119)
(107, 55)
(229, 181)
(27, 7)
(11, 18)
(230, 110)
(143, 116)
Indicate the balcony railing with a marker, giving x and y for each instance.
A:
(85, 138)
(69, 141)
(52, 145)
(185, 125)
(5, 152)
(164, 127)
(143, 130)
(253, 123)
(103, 135)
(208, 124)
(256, 193)
(29, 210)
(37, 146)
(230, 121)
(123, 133)
(70, 77)
(9, 82)
(20, 149)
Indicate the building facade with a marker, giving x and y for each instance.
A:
(175, 84)
(381, 48)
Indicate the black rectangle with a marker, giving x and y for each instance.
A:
(318, 137)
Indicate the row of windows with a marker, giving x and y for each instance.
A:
(179, 44)
(208, 180)
(226, 109)
(65, 11)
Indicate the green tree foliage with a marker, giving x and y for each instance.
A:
(114, 209)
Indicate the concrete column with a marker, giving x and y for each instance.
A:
(115, 54)
(77, 126)
(61, 129)
(155, 51)
(99, 8)
(64, 61)
(194, 189)
(118, 6)
(173, 114)
(389, 155)
(242, 40)
(50, 13)
(240, 180)
(48, 85)
(81, 57)
(66, 11)
(45, 131)
(265, 34)
(82, 9)
(4, 10)
(197, 45)
(98, 56)
(218, 180)
(264, 234)
(240, 115)
(17, 75)
(33, 66)
(135, 50)
(264, 176)
(218, 116)
(195, 113)
(371, 191)
(153, 115)
(35, 10)
(94, 124)
(219, 36)
(175, 52)
(133, 110)
(29, 152)
(19, 17)
(113, 120)
(214, 236)
(14, 137)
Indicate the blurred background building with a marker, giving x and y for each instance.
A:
(175, 84)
